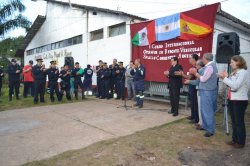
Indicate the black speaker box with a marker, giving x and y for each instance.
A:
(69, 61)
(228, 45)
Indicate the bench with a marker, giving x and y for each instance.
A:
(159, 92)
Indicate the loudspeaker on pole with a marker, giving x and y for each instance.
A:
(228, 45)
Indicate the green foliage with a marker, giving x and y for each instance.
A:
(8, 46)
(11, 18)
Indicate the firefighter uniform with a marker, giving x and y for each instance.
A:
(65, 83)
(120, 81)
(139, 75)
(39, 73)
(99, 80)
(87, 83)
(53, 75)
(113, 80)
(14, 71)
(105, 82)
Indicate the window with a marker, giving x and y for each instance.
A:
(77, 39)
(96, 35)
(59, 44)
(118, 29)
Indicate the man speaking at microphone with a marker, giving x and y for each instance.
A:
(138, 71)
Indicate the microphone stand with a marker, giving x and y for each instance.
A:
(225, 105)
(125, 100)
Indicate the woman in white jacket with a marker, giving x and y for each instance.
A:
(238, 86)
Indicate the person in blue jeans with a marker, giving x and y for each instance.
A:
(208, 88)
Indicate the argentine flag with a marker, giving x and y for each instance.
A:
(168, 27)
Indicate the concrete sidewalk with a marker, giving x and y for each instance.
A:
(41, 132)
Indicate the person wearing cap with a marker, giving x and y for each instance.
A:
(39, 75)
(105, 78)
(77, 75)
(98, 70)
(28, 80)
(138, 71)
(87, 83)
(113, 79)
(65, 76)
(14, 71)
(1, 80)
(120, 81)
(53, 75)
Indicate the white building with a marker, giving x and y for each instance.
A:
(89, 34)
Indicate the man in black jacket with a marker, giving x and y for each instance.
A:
(53, 75)
(174, 85)
(113, 80)
(39, 74)
(14, 71)
(65, 76)
(120, 81)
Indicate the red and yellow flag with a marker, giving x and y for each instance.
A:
(192, 29)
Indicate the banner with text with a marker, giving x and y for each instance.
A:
(156, 57)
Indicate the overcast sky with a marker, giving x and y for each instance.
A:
(145, 8)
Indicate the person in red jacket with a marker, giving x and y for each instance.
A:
(28, 80)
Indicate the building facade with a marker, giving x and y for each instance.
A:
(87, 34)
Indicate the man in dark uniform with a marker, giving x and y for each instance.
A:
(77, 80)
(174, 85)
(87, 83)
(39, 74)
(98, 75)
(105, 78)
(138, 71)
(14, 71)
(53, 75)
(112, 82)
(1, 80)
(65, 76)
(120, 81)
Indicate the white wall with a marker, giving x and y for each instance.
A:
(222, 27)
(62, 22)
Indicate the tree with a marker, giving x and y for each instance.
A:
(11, 17)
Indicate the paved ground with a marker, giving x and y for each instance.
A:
(41, 132)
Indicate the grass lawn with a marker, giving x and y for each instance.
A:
(158, 146)
(5, 104)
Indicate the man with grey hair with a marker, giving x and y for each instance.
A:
(208, 89)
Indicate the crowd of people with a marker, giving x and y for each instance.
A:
(202, 78)
(111, 80)
(59, 82)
